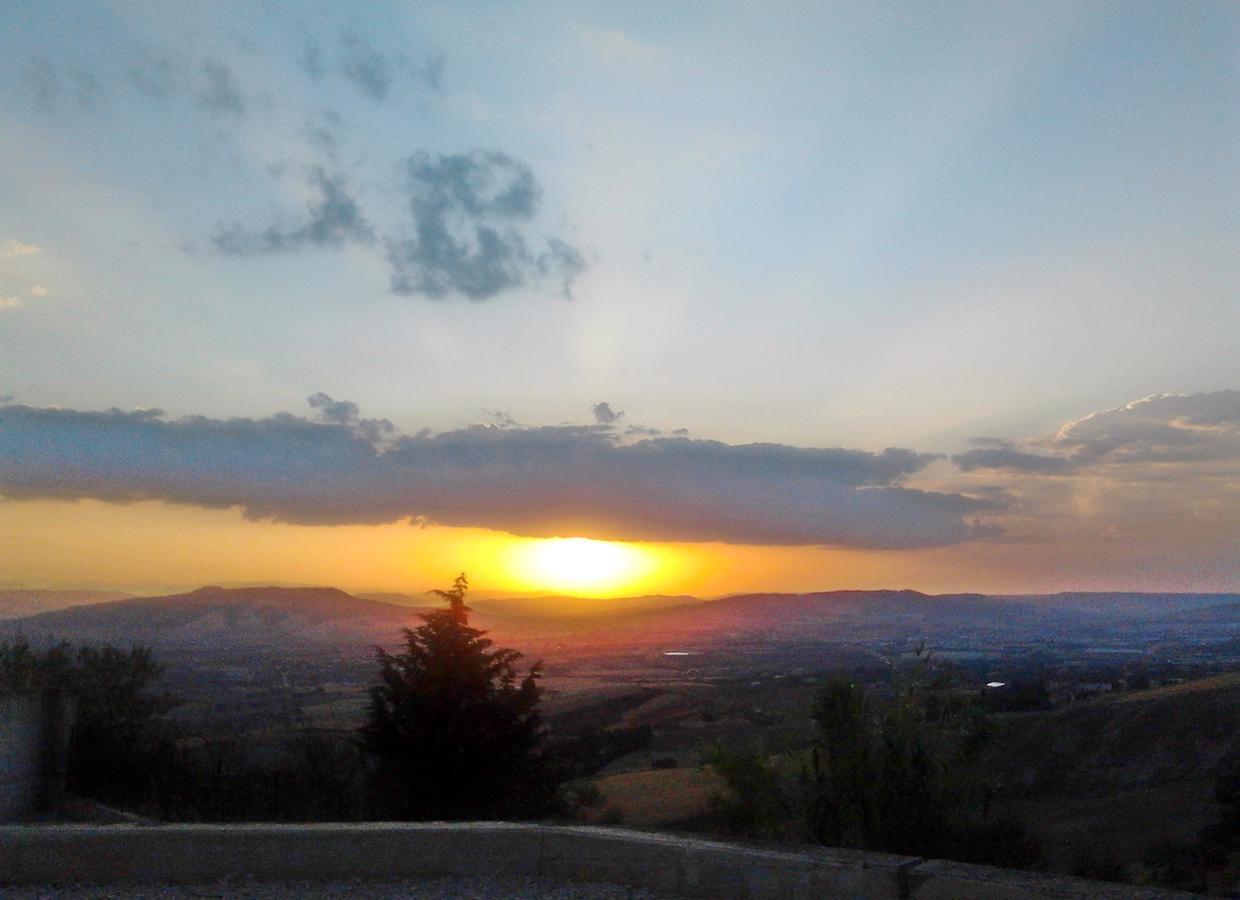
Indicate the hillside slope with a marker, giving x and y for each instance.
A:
(1182, 732)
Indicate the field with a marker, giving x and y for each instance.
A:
(663, 798)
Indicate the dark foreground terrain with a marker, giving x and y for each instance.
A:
(1111, 716)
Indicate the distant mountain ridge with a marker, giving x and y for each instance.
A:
(216, 618)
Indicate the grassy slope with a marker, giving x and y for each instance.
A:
(1108, 778)
(1114, 777)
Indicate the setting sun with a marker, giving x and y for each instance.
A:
(582, 565)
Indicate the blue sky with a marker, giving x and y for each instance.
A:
(824, 225)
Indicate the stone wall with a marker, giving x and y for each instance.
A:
(684, 866)
(34, 741)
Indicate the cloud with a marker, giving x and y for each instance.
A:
(1160, 428)
(563, 262)
(323, 133)
(605, 415)
(38, 290)
(156, 76)
(500, 418)
(311, 59)
(219, 91)
(1150, 485)
(1163, 429)
(342, 412)
(469, 235)
(538, 481)
(370, 71)
(46, 84)
(43, 83)
(211, 83)
(9, 303)
(14, 249)
(430, 73)
(471, 212)
(334, 218)
(375, 73)
(346, 412)
(1013, 460)
(87, 90)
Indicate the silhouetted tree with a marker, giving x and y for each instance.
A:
(453, 730)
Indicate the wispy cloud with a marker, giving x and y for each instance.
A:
(156, 76)
(333, 219)
(219, 91)
(15, 249)
(43, 83)
(373, 71)
(47, 83)
(369, 70)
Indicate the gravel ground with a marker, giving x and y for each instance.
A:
(515, 888)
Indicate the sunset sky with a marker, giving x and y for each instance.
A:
(777, 296)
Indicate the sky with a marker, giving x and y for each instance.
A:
(775, 296)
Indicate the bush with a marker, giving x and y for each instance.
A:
(119, 743)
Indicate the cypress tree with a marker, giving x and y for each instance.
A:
(453, 730)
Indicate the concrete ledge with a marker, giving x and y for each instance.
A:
(684, 866)
(940, 879)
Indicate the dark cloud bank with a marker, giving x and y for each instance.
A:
(544, 481)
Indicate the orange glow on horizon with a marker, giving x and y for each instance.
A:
(149, 547)
(582, 566)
